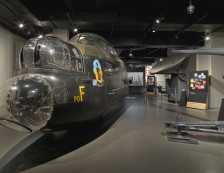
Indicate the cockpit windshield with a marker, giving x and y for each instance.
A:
(51, 52)
(97, 41)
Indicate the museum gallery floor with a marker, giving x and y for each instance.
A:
(137, 142)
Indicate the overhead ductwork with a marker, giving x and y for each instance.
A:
(211, 51)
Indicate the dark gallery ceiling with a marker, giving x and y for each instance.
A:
(127, 24)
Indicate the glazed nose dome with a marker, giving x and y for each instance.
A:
(29, 103)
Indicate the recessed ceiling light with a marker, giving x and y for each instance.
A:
(76, 29)
(160, 59)
(190, 8)
(21, 25)
(153, 30)
(207, 38)
(157, 21)
(130, 54)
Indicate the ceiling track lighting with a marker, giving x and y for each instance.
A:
(190, 8)
(156, 23)
(159, 20)
(130, 54)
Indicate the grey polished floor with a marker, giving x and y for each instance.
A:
(137, 143)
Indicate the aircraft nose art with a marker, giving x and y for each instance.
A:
(26, 103)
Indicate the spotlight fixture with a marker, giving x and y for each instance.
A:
(207, 38)
(40, 36)
(21, 25)
(76, 30)
(190, 8)
(157, 21)
(153, 30)
(160, 59)
(130, 54)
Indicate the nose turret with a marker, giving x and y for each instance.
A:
(26, 103)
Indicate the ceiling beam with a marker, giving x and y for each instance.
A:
(69, 18)
(189, 25)
(69, 5)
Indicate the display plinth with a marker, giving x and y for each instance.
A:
(197, 105)
(150, 93)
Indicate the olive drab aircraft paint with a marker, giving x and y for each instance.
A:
(62, 83)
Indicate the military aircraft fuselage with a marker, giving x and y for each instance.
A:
(62, 83)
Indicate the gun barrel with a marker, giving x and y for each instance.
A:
(201, 126)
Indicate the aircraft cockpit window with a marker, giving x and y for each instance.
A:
(21, 59)
(78, 61)
(58, 54)
(112, 52)
(37, 60)
(51, 53)
(85, 39)
(67, 60)
(97, 41)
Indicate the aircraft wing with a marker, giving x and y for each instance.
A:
(212, 51)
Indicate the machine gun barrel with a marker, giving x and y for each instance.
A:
(201, 126)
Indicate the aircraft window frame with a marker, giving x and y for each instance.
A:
(60, 55)
(79, 66)
(99, 42)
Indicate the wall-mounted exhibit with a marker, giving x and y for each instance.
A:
(137, 78)
(147, 72)
(198, 90)
(151, 84)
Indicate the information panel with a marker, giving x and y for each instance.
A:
(198, 90)
(150, 83)
(198, 81)
(151, 80)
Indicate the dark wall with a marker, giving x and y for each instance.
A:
(178, 84)
(191, 66)
(137, 89)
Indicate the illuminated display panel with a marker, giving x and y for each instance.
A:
(198, 81)
(151, 80)
(137, 78)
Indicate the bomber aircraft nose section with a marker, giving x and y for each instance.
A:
(63, 83)
(26, 103)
